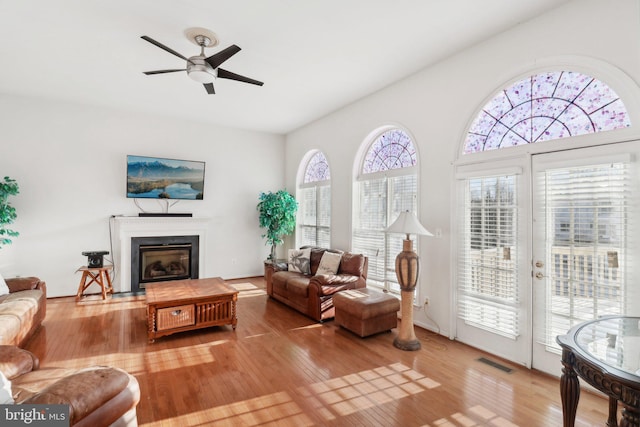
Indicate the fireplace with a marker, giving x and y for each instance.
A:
(162, 258)
(126, 228)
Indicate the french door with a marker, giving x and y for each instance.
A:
(584, 238)
(545, 243)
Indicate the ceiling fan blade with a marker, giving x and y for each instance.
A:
(224, 74)
(161, 46)
(218, 58)
(148, 73)
(209, 88)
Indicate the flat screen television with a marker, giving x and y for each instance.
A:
(159, 178)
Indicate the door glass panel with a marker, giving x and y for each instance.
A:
(488, 296)
(586, 217)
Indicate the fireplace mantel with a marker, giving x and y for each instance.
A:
(126, 227)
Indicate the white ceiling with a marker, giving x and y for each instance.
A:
(314, 56)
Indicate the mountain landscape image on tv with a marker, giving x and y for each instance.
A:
(158, 178)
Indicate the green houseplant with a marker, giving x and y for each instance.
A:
(278, 216)
(8, 187)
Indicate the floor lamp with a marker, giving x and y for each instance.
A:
(407, 270)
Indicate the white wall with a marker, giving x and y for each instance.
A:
(70, 163)
(436, 106)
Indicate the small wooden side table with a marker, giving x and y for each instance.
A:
(99, 275)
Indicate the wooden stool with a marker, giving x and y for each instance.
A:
(99, 275)
(366, 311)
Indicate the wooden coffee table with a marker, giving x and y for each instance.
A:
(184, 305)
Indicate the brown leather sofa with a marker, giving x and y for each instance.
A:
(97, 396)
(22, 310)
(312, 294)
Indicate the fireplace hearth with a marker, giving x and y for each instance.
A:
(163, 258)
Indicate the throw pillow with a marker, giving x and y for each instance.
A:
(4, 289)
(299, 260)
(329, 263)
(6, 397)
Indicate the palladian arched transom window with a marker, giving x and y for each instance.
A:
(314, 196)
(392, 150)
(387, 184)
(317, 169)
(543, 107)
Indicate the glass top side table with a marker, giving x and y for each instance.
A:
(606, 354)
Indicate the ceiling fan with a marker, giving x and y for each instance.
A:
(199, 67)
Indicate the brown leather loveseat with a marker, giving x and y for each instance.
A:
(312, 294)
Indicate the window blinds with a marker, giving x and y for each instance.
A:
(586, 232)
(488, 253)
(380, 201)
(315, 215)
(323, 216)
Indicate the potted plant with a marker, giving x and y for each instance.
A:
(278, 216)
(9, 187)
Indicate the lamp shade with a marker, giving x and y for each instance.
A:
(407, 223)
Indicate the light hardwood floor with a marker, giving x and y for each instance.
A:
(280, 368)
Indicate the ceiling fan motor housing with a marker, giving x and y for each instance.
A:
(199, 70)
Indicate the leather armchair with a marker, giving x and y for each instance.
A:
(97, 396)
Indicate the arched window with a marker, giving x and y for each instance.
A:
(385, 186)
(543, 107)
(314, 223)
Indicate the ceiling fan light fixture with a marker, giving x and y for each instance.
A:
(201, 76)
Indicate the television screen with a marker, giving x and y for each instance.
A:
(157, 178)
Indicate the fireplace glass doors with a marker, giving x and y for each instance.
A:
(163, 258)
(164, 262)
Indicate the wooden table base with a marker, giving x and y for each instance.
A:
(99, 275)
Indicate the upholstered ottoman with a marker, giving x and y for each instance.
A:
(366, 311)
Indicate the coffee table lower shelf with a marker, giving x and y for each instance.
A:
(169, 316)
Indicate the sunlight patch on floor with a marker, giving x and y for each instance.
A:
(254, 293)
(177, 358)
(152, 361)
(247, 290)
(359, 391)
(333, 399)
(131, 362)
(313, 326)
(244, 286)
(475, 416)
(272, 409)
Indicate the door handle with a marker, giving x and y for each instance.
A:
(539, 276)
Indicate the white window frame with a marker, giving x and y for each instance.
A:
(322, 204)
